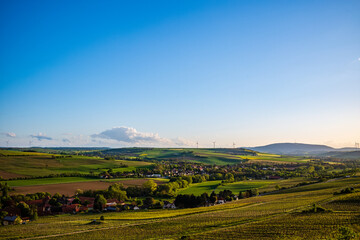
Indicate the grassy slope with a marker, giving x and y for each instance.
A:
(236, 187)
(42, 164)
(211, 156)
(265, 217)
(46, 181)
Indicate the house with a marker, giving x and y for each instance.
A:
(73, 208)
(155, 175)
(111, 208)
(168, 205)
(43, 206)
(10, 220)
(220, 201)
(90, 200)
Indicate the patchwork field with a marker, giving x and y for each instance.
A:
(276, 216)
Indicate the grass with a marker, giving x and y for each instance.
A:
(214, 156)
(236, 187)
(276, 216)
(42, 164)
(58, 180)
(242, 186)
(43, 181)
(199, 188)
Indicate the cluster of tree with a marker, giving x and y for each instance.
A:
(316, 209)
(28, 211)
(248, 193)
(346, 191)
(114, 191)
(191, 201)
(17, 201)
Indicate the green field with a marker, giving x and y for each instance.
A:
(236, 187)
(43, 164)
(215, 156)
(57, 180)
(43, 181)
(276, 216)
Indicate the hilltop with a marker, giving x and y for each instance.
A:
(301, 149)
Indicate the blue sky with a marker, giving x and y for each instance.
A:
(171, 73)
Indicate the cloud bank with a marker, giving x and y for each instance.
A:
(131, 136)
(41, 137)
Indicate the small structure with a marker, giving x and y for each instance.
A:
(73, 208)
(169, 205)
(11, 220)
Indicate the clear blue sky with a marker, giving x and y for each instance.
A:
(170, 73)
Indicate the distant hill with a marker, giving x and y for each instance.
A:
(293, 149)
(342, 155)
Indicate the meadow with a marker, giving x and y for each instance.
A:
(263, 186)
(23, 164)
(273, 216)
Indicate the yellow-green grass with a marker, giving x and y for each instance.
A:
(236, 187)
(264, 157)
(40, 164)
(19, 153)
(44, 181)
(243, 186)
(200, 188)
(265, 217)
(57, 180)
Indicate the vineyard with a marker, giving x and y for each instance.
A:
(274, 216)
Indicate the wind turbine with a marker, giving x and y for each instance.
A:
(233, 145)
(7, 143)
(197, 144)
(214, 143)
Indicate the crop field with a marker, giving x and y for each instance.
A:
(42, 164)
(276, 216)
(69, 185)
(264, 157)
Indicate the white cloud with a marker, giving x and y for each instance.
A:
(131, 136)
(41, 137)
(10, 134)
